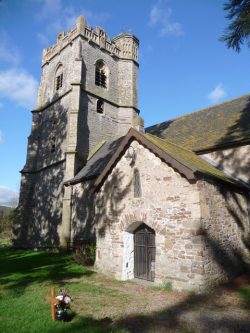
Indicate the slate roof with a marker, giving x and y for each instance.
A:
(181, 159)
(190, 159)
(225, 124)
(96, 163)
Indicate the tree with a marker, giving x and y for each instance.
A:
(238, 31)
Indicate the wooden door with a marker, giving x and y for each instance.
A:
(144, 253)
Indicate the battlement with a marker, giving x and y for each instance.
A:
(123, 46)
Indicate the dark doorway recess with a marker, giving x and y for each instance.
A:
(144, 261)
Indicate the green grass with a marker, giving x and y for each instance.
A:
(244, 294)
(25, 281)
(166, 286)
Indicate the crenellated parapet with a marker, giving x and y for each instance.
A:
(124, 46)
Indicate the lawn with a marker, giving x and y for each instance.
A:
(26, 278)
(104, 305)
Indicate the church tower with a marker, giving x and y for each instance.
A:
(88, 93)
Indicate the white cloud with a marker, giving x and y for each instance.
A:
(8, 196)
(161, 16)
(1, 137)
(217, 94)
(59, 17)
(49, 9)
(19, 86)
(43, 39)
(8, 54)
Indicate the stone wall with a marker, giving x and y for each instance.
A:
(47, 141)
(169, 204)
(38, 216)
(83, 215)
(38, 219)
(71, 73)
(224, 231)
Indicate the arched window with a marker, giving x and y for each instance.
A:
(137, 184)
(101, 74)
(59, 78)
(100, 106)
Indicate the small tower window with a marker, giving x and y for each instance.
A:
(53, 144)
(59, 81)
(59, 78)
(137, 184)
(53, 136)
(100, 106)
(101, 74)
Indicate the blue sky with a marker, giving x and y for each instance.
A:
(183, 65)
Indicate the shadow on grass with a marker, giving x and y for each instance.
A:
(197, 313)
(87, 325)
(20, 268)
(167, 320)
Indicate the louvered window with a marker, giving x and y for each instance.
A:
(101, 75)
(59, 77)
(59, 81)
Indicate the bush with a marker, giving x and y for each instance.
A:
(84, 254)
(6, 223)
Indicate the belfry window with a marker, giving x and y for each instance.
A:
(59, 78)
(101, 74)
(59, 81)
(100, 106)
(137, 184)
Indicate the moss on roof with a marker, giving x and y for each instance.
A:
(190, 159)
(104, 158)
(223, 124)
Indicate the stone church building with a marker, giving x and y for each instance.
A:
(166, 203)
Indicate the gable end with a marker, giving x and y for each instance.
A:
(134, 135)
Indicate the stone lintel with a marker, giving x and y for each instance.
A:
(76, 83)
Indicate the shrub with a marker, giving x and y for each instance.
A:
(6, 223)
(84, 254)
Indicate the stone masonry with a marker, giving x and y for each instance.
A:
(66, 125)
(191, 222)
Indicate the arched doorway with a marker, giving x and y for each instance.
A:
(144, 253)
